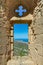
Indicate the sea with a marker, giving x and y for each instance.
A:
(21, 40)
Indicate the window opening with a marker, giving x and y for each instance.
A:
(20, 33)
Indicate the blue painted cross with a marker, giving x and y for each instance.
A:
(21, 11)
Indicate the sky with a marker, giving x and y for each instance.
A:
(20, 31)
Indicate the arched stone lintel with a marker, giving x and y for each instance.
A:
(27, 19)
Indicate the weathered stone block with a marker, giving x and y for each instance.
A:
(8, 48)
(39, 39)
(38, 21)
(39, 49)
(0, 59)
(3, 60)
(2, 49)
(38, 29)
(38, 44)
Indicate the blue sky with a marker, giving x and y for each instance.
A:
(20, 31)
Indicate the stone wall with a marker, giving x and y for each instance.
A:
(4, 38)
(36, 48)
(35, 56)
(11, 6)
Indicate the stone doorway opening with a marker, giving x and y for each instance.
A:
(19, 39)
(17, 60)
(12, 33)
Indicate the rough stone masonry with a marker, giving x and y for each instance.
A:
(37, 27)
(4, 38)
(36, 48)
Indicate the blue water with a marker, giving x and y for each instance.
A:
(22, 40)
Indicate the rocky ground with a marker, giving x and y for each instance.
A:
(20, 61)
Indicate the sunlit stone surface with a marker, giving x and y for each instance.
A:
(21, 61)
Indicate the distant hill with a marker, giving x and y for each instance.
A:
(20, 48)
(21, 40)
